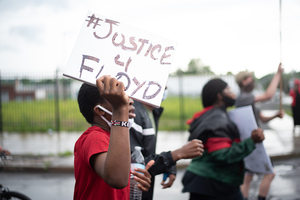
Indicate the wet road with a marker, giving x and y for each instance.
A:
(49, 186)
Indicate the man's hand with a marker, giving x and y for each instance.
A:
(113, 91)
(280, 114)
(172, 178)
(257, 135)
(280, 69)
(143, 178)
(191, 149)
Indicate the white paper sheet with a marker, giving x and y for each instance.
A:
(258, 161)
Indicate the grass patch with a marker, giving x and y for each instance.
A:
(65, 154)
(40, 116)
(177, 111)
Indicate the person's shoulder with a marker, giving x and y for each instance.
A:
(245, 95)
(244, 99)
(213, 117)
(210, 121)
(218, 113)
(94, 131)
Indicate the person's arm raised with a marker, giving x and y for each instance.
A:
(114, 166)
(269, 93)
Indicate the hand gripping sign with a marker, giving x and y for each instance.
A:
(140, 60)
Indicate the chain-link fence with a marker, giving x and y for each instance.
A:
(37, 103)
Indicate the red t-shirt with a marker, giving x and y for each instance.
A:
(89, 186)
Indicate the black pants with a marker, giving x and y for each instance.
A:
(296, 114)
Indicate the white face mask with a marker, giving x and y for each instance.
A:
(130, 121)
(108, 112)
(108, 122)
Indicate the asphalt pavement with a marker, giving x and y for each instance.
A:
(40, 185)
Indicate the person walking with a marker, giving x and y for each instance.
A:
(219, 172)
(246, 82)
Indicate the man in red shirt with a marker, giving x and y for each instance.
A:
(102, 152)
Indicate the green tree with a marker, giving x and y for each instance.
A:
(179, 72)
(196, 66)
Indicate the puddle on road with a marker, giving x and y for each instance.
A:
(283, 168)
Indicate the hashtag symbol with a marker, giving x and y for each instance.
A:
(93, 20)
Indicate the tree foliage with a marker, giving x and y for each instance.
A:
(196, 66)
(287, 80)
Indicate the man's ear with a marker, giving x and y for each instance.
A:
(98, 111)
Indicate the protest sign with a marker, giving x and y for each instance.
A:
(258, 161)
(139, 59)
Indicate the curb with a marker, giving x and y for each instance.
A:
(26, 163)
(21, 169)
(46, 164)
(285, 156)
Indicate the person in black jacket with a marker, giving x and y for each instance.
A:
(143, 133)
(217, 174)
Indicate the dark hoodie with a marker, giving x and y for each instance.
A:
(222, 160)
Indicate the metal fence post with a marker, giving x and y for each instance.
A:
(56, 100)
(181, 101)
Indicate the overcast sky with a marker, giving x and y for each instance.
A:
(228, 35)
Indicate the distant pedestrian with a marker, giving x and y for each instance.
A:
(219, 172)
(295, 94)
(245, 80)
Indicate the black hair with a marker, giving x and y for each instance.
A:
(88, 98)
(211, 90)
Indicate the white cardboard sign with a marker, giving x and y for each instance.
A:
(258, 161)
(139, 59)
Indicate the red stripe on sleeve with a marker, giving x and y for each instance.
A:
(215, 144)
(237, 140)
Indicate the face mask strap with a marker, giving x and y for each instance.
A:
(108, 122)
(104, 109)
(107, 111)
